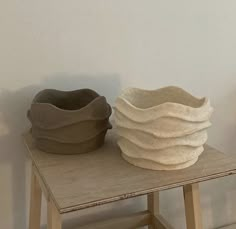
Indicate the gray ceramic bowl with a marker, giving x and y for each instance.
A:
(69, 122)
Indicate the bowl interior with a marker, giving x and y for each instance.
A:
(70, 100)
(146, 98)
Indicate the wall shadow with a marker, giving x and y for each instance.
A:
(13, 108)
(218, 202)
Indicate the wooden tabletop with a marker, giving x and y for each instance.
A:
(86, 180)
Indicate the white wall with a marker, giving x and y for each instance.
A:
(109, 45)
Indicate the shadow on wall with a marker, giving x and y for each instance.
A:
(107, 85)
(223, 131)
(13, 122)
(218, 196)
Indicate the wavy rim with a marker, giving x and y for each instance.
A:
(121, 96)
(67, 92)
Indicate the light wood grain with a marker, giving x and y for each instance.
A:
(53, 216)
(135, 220)
(40, 182)
(153, 205)
(71, 179)
(192, 206)
(161, 223)
(35, 202)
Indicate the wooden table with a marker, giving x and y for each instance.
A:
(75, 182)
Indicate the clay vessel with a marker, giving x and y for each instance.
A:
(69, 122)
(164, 129)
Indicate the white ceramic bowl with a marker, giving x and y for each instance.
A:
(161, 129)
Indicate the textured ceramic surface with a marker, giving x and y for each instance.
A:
(167, 126)
(168, 156)
(53, 146)
(146, 105)
(69, 122)
(151, 141)
(149, 164)
(67, 134)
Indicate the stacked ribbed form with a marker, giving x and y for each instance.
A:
(161, 129)
(69, 122)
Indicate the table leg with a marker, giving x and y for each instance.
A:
(192, 206)
(153, 205)
(35, 202)
(54, 217)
